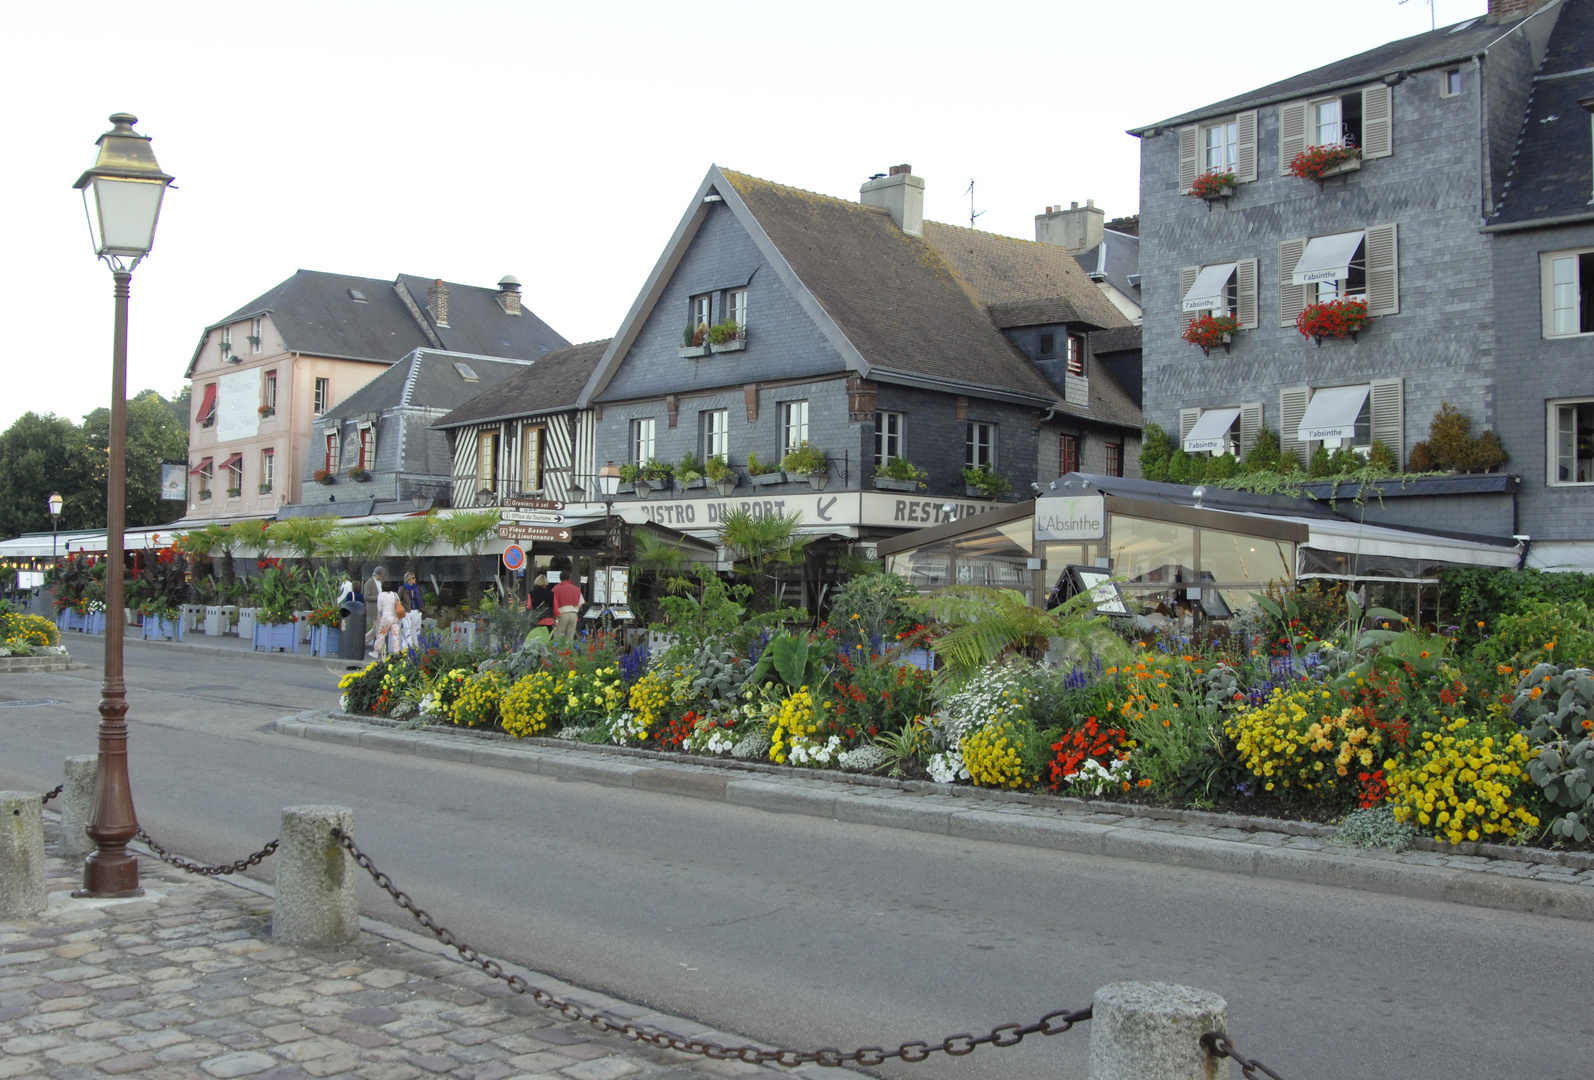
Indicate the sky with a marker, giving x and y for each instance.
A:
(561, 142)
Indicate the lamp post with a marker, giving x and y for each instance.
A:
(122, 197)
(608, 487)
(54, 502)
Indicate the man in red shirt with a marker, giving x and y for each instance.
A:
(566, 606)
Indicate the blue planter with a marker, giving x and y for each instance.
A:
(324, 641)
(271, 636)
(156, 628)
(94, 622)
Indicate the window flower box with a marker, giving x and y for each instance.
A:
(274, 636)
(1209, 331)
(692, 351)
(324, 641)
(233, 493)
(1334, 319)
(159, 628)
(359, 475)
(766, 479)
(204, 494)
(324, 476)
(1213, 186)
(694, 482)
(1317, 163)
(267, 410)
(891, 483)
(265, 489)
(985, 483)
(734, 345)
(254, 339)
(899, 474)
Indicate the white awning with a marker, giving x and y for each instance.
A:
(1211, 431)
(1327, 258)
(1208, 291)
(1332, 412)
(1358, 538)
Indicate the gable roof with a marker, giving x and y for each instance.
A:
(896, 307)
(314, 312)
(1446, 45)
(550, 384)
(1552, 171)
(427, 379)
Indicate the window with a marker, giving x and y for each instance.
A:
(235, 476)
(700, 313)
(1076, 354)
(1342, 416)
(323, 392)
(736, 307)
(466, 372)
(487, 460)
(1227, 288)
(1048, 345)
(888, 436)
(226, 340)
(642, 440)
(1210, 431)
(254, 335)
(1568, 293)
(1220, 145)
(715, 426)
(1067, 454)
(333, 454)
(1335, 121)
(268, 470)
(203, 471)
(531, 459)
(1317, 269)
(357, 296)
(367, 446)
(1451, 86)
(1360, 118)
(793, 425)
(1115, 459)
(271, 390)
(980, 446)
(1572, 442)
(207, 406)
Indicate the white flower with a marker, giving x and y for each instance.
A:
(1093, 778)
(343, 703)
(754, 746)
(863, 759)
(946, 767)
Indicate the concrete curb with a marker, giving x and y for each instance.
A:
(1262, 853)
(217, 650)
(30, 665)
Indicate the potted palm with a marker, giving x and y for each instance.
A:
(984, 483)
(721, 475)
(899, 474)
(763, 473)
(806, 463)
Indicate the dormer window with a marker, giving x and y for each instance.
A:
(1076, 354)
(465, 371)
(1048, 345)
(357, 296)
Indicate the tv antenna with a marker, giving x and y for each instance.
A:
(970, 194)
(1432, 24)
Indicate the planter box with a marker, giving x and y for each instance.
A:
(157, 628)
(301, 619)
(689, 351)
(219, 620)
(730, 346)
(272, 636)
(462, 635)
(766, 479)
(972, 492)
(131, 617)
(246, 623)
(94, 622)
(922, 659)
(192, 616)
(815, 480)
(698, 483)
(1353, 165)
(626, 489)
(67, 619)
(324, 641)
(886, 483)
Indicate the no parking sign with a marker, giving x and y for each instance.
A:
(514, 558)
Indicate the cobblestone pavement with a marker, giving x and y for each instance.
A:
(187, 983)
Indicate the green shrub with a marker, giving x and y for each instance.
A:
(1156, 448)
(1223, 467)
(1540, 630)
(1322, 463)
(1263, 455)
(1382, 458)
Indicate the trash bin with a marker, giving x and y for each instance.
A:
(351, 642)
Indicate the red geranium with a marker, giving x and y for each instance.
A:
(1333, 319)
(1208, 331)
(1210, 185)
(1091, 740)
(1314, 161)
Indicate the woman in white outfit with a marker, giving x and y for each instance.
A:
(387, 626)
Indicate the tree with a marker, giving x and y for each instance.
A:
(40, 455)
(153, 436)
(304, 536)
(761, 542)
(409, 537)
(467, 532)
(359, 545)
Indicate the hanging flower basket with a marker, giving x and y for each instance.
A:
(1212, 186)
(1335, 319)
(1317, 162)
(1210, 331)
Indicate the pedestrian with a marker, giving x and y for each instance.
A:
(372, 590)
(388, 605)
(410, 593)
(539, 600)
(567, 606)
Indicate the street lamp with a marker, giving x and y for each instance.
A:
(608, 487)
(54, 502)
(122, 197)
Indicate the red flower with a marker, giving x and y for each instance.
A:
(1334, 319)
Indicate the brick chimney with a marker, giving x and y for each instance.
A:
(901, 193)
(437, 300)
(1076, 230)
(509, 294)
(1511, 10)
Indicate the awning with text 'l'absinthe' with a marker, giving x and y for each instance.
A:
(1211, 431)
(1210, 289)
(1332, 413)
(1327, 258)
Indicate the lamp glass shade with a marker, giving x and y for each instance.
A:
(55, 502)
(609, 480)
(122, 214)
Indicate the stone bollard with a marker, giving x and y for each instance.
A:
(1152, 1031)
(22, 889)
(77, 806)
(317, 901)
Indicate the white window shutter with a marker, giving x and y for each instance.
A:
(1187, 420)
(1377, 122)
(1187, 278)
(1383, 271)
(1245, 150)
(1389, 415)
(1189, 147)
(1250, 425)
(1245, 293)
(1292, 409)
(1292, 133)
(1292, 298)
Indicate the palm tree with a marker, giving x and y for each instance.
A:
(985, 624)
(761, 542)
(227, 541)
(358, 544)
(303, 536)
(467, 531)
(409, 537)
(197, 544)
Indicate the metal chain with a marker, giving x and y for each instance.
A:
(48, 795)
(1218, 1045)
(200, 868)
(954, 1046)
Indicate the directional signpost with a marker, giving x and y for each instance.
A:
(510, 531)
(532, 519)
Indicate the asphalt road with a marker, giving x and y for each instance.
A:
(802, 931)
